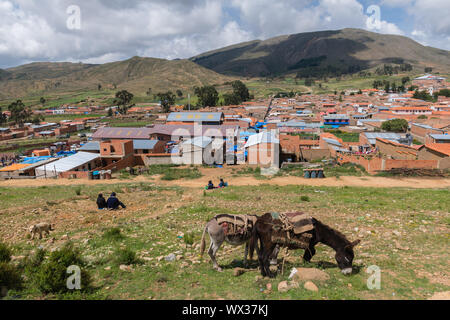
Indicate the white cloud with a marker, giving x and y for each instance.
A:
(118, 29)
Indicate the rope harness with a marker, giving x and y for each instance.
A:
(292, 230)
(234, 225)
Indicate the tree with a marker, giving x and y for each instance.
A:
(99, 87)
(179, 93)
(230, 99)
(240, 90)
(37, 119)
(123, 99)
(149, 92)
(428, 69)
(207, 96)
(2, 117)
(42, 100)
(387, 87)
(19, 113)
(396, 125)
(167, 100)
(110, 112)
(405, 80)
(422, 95)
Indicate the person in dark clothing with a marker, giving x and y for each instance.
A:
(101, 202)
(113, 203)
(223, 184)
(210, 186)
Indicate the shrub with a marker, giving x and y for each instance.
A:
(78, 191)
(126, 257)
(52, 275)
(305, 198)
(5, 253)
(10, 276)
(113, 234)
(189, 238)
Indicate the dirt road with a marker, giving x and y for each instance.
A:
(215, 175)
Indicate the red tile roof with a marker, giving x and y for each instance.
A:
(443, 148)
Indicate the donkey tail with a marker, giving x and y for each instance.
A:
(203, 242)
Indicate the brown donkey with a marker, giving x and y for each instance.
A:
(267, 227)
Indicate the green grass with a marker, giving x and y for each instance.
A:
(376, 212)
(173, 172)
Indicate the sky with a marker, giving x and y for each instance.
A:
(101, 31)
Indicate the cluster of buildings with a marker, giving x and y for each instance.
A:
(262, 133)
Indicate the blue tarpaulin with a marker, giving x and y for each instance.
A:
(33, 160)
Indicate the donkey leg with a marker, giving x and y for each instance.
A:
(245, 255)
(214, 249)
(309, 253)
(266, 260)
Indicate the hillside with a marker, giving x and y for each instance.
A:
(346, 50)
(135, 74)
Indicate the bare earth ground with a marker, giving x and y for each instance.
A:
(216, 174)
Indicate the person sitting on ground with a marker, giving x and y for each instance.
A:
(210, 186)
(223, 184)
(113, 202)
(101, 202)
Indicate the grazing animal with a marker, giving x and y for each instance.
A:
(269, 231)
(234, 229)
(40, 228)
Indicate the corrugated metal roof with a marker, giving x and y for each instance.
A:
(144, 144)
(206, 130)
(201, 142)
(91, 146)
(263, 137)
(123, 133)
(195, 117)
(299, 124)
(372, 136)
(333, 142)
(440, 136)
(70, 163)
(336, 116)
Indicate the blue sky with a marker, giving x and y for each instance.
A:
(100, 31)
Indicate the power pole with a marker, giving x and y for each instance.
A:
(189, 101)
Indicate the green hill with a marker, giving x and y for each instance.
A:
(135, 74)
(341, 51)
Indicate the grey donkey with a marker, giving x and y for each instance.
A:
(235, 230)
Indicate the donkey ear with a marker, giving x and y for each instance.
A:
(355, 243)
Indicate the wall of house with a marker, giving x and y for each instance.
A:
(263, 154)
(375, 164)
(428, 154)
(157, 159)
(396, 151)
(315, 154)
(116, 148)
(421, 134)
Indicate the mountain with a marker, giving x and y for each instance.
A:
(341, 51)
(136, 74)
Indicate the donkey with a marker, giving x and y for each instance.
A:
(234, 229)
(320, 233)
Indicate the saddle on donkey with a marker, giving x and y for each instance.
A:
(292, 229)
(236, 224)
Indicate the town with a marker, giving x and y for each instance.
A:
(378, 130)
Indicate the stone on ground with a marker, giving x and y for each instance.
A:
(310, 274)
(311, 286)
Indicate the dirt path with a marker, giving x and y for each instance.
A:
(215, 175)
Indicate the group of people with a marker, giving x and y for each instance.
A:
(211, 186)
(113, 203)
